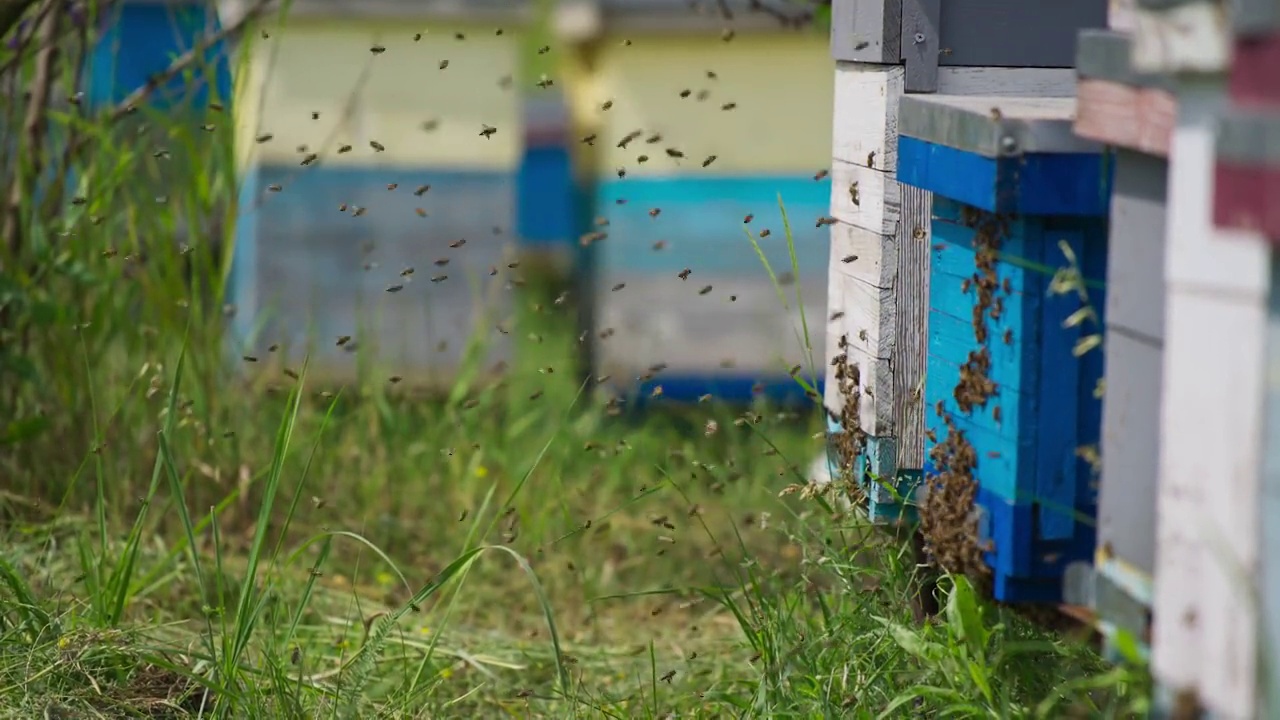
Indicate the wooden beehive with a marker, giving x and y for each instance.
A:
(885, 50)
(1134, 114)
(400, 232)
(1016, 195)
(705, 147)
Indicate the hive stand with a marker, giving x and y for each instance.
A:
(1204, 625)
(1133, 113)
(1016, 196)
(885, 50)
(1247, 196)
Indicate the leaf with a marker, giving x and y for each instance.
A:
(913, 643)
(964, 616)
(1086, 343)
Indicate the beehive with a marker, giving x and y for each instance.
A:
(1016, 195)
(399, 233)
(718, 159)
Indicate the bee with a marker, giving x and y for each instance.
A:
(544, 49)
(705, 290)
(422, 190)
(996, 413)
(458, 243)
(642, 159)
(589, 139)
(430, 125)
(392, 186)
(818, 176)
(444, 64)
(395, 288)
(729, 106)
(657, 391)
(655, 212)
(209, 127)
(619, 286)
(674, 153)
(685, 93)
(684, 274)
(606, 105)
(265, 137)
(825, 221)
(848, 259)
(439, 278)
(343, 340)
(659, 245)
(291, 373)
(728, 35)
(1008, 336)
(250, 358)
(996, 114)
(377, 146)
(394, 379)
(343, 149)
(871, 159)
(836, 315)
(765, 233)
(310, 158)
(622, 172)
(487, 131)
(459, 36)
(710, 159)
(417, 37)
(629, 138)
(545, 82)
(274, 187)
(377, 49)
(669, 676)
(421, 212)
(441, 262)
(748, 218)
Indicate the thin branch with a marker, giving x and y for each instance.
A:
(11, 12)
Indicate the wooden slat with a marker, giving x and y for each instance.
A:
(1254, 78)
(866, 30)
(911, 331)
(1125, 116)
(865, 198)
(1211, 426)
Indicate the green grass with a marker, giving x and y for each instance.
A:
(182, 538)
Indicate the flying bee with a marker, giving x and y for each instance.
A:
(619, 286)
(422, 190)
(684, 274)
(395, 288)
(848, 259)
(377, 49)
(250, 358)
(765, 233)
(545, 82)
(544, 49)
(310, 158)
(674, 153)
(417, 37)
(622, 172)
(642, 159)
(439, 278)
(430, 125)
(265, 137)
(629, 138)
(728, 35)
(820, 175)
(669, 676)
(825, 221)
(377, 146)
(441, 262)
(589, 139)
(343, 149)
(705, 290)
(729, 106)
(655, 212)
(444, 64)
(660, 245)
(209, 128)
(487, 131)
(343, 340)
(458, 243)
(274, 187)
(654, 138)
(710, 159)
(606, 105)
(421, 212)
(748, 218)
(392, 186)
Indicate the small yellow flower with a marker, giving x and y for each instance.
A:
(384, 578)
(63, 643)
(425, 630)
(482, 471)
(446, 673)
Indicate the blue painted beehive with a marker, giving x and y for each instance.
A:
(1016, 197)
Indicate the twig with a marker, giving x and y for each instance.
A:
(11, 12)
(33, 126)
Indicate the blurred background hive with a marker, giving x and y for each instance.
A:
(325, 250)
(760, 103)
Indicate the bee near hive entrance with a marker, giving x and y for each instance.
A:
(948, 525)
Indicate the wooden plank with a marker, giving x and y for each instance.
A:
(1210, 430)
(921, 43)
(1253, 78)
(865, 198)
(866, 30)
(1021, 33)
(865, 130)
(1255, 17)
(1186, 38)
(911, 328)
(1135, 269)
(994, 126)
(1125, 116)
(1227, 260)
(1269, 580)
(1245, 198)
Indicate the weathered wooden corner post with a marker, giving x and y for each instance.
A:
(1247, 197)
(1216, 281)
(1133, 113)
(878, 291)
